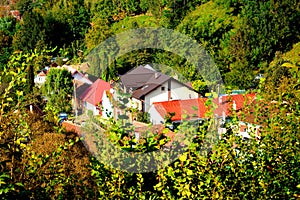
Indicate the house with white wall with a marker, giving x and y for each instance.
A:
(78, 76)
(108, 110)
(189, 109)
(147, 86)
(40, 78)
(91, 99)
(224, 106)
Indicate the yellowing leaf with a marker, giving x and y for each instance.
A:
(183, 157)
(189, 172)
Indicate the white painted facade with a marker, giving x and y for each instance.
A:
(178, 92)
(91, 107)
(155, 117)
(107, 106)
(39, 80)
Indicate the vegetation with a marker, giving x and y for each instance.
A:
(58, 90)
(41, 160)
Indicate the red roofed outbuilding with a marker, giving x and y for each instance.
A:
(193, 109)
(92, 97)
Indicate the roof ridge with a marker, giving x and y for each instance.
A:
(96, 88)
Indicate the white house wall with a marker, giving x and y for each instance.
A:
(155, 117)
(181, 92)
(178, 92)
(156, 95)
(107, 106)
(39, 80)
(89, 106)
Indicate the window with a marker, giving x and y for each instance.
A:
(162, 88)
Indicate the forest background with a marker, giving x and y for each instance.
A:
(245, 39)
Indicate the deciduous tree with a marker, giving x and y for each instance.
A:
(58, 90)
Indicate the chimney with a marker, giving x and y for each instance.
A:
(156, 75)
(169, 89)
(234, 105)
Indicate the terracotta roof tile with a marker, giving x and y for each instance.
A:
(196, 108)
(193, 108)
(94, 93)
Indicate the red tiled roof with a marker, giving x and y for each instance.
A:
(195, 108)
(94, 93)
(226, 103)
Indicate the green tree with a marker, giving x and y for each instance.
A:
(58, 90)
(266, 27)
(99, 31)
(7, 30)
(13, 127)
(35, 161)
(70, 20)
(31, 34)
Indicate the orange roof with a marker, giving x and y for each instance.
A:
(94, 93)
(196, 108)
(226, 103)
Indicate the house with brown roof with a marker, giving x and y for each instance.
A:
(147, 86)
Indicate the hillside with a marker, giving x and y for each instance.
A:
(255, 45)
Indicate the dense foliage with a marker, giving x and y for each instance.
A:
(242, 36)
(58, 90)
(40, 160)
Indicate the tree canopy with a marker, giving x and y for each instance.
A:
(255, 45)
(58, 90)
